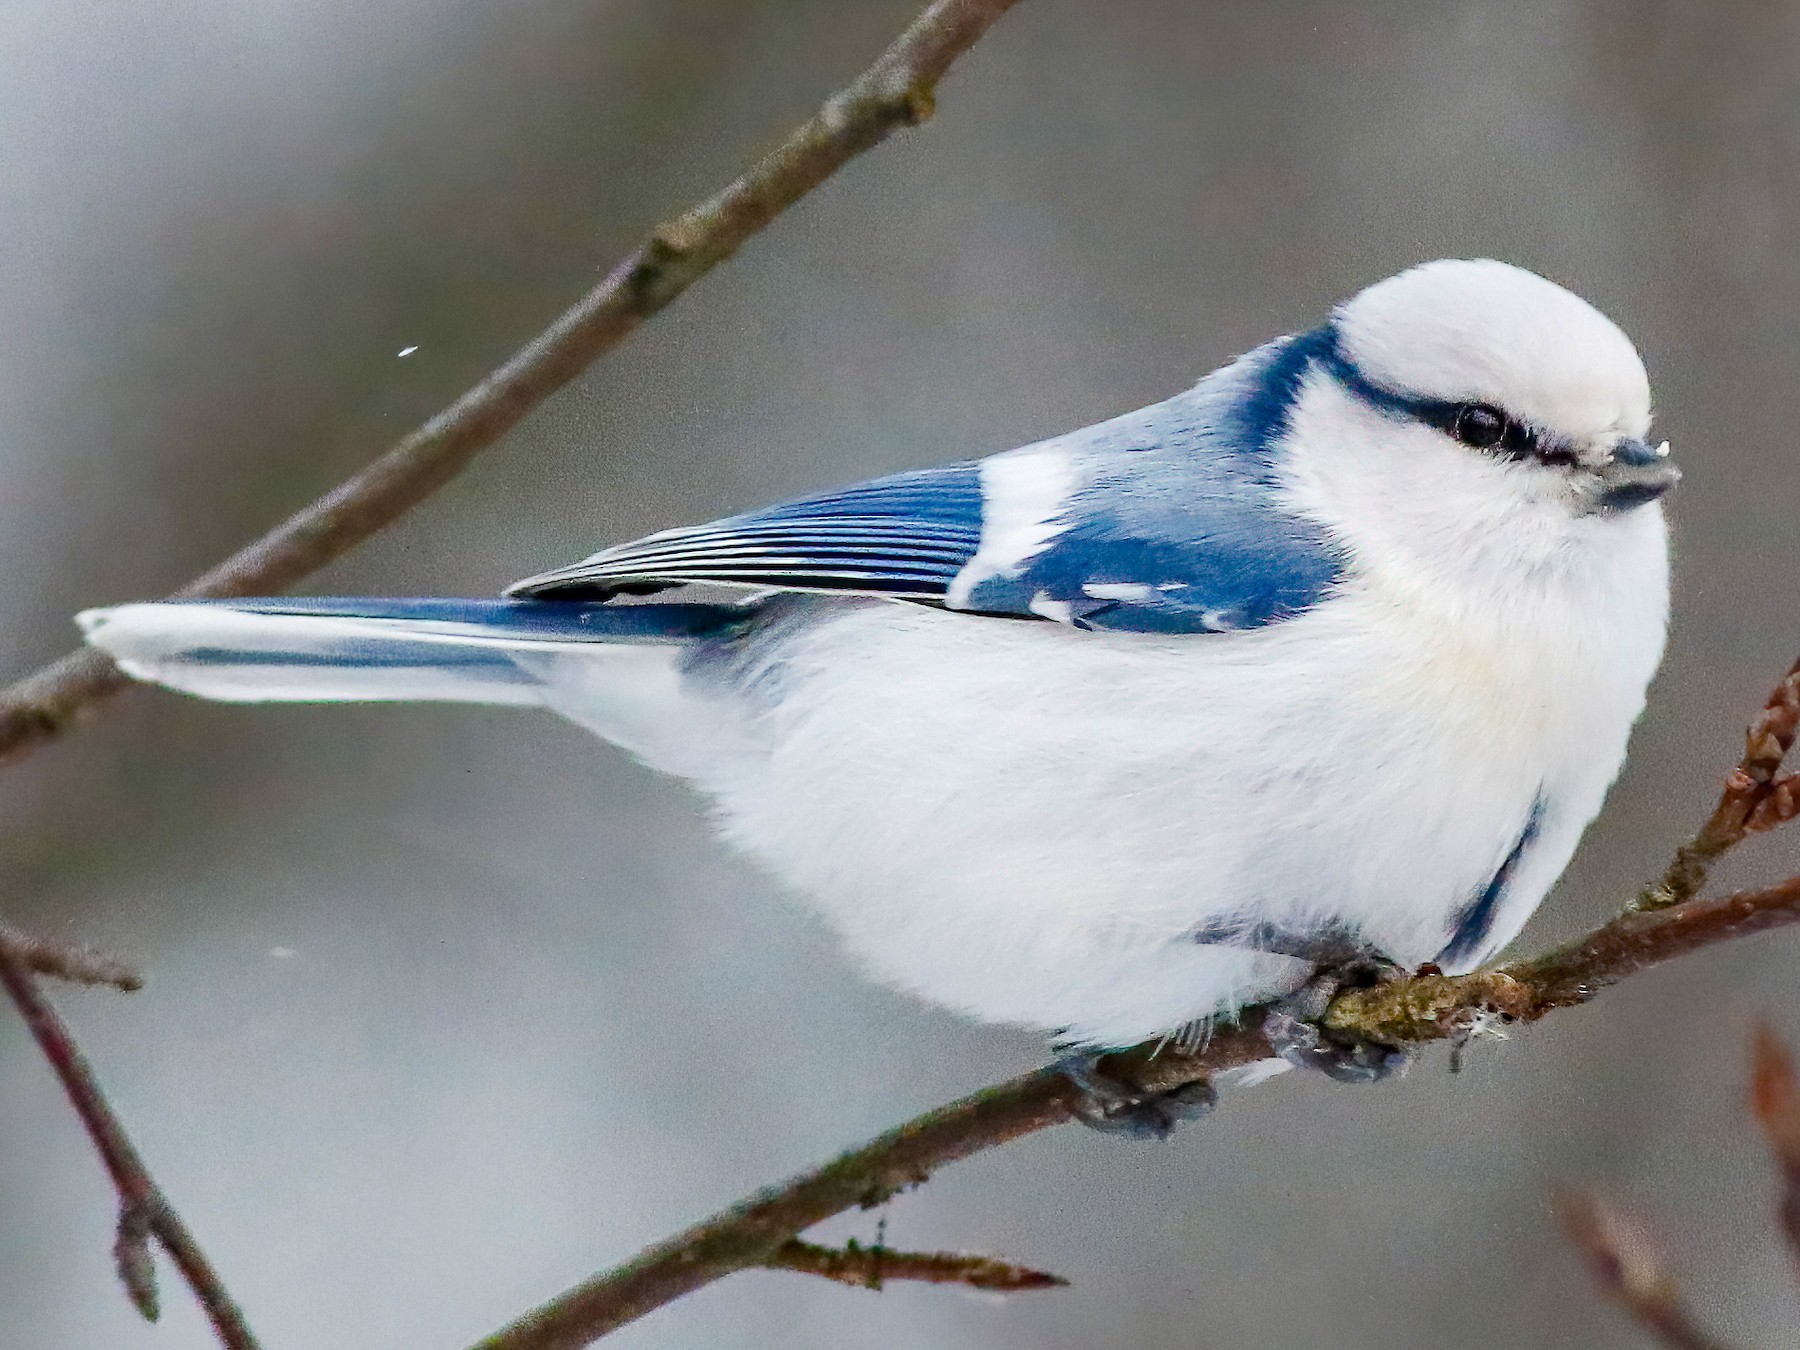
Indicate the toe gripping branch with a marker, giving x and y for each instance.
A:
(1293, 1027)
(1294, 1031)
(1116, 1107)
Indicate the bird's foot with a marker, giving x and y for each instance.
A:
(1294, 1031)
(1118, 1108)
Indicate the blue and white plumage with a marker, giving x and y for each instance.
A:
(1346, 640)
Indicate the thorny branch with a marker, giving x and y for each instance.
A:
(896, 91)
(1410, 1011)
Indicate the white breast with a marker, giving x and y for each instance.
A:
(1029, 822)
(1025, 821)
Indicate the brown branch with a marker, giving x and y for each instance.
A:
(749, 1233)
(871, 1267)
(1659, 925)
(1775, 1101)
(1779, 805)
(66, 961)
(1438, 1007)
(1752, 799)
(1629, 1269)
(897, 91)
(144, 1211)
(1406, 1012)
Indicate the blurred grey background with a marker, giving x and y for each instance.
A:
(450, 1007)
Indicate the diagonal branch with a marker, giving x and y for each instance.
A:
(748, 1234)
(144, 1212)
(897, 91)
(1407, 1012)
(1752, 800)
(1629, 1269)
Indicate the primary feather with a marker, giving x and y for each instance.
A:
(905, 536)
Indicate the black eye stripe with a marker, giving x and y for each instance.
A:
(1464, 422)
(1481, 426)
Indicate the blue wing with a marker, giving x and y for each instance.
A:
(1166, 520)
(1239, 568)
(904, 537)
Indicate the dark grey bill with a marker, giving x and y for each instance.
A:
(1636, 474)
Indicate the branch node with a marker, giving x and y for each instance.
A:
(917, 105)
(132, 1258)
(144, 1211)
(1764, 754)
(1780, 804)
(1743, 807)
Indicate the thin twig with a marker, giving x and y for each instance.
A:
(1659, 925)
(1753, 799)
(1629, 1269)
(897, 91)
(871, 1267)
(1775, 1101)
(1406, 1012)
(143, 1209)
(749, 1233)
(66, 961)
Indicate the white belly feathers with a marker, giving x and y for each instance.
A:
(1029, 822)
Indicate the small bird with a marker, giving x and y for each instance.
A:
(1331, 657)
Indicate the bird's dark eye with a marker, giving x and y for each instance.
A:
(1479, 426)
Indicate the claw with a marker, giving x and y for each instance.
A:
(1292, 1027)
(1303, 1045)
(1113, 1107)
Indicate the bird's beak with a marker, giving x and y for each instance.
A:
(1634, 473)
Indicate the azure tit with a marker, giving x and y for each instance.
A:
(1334, 654)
